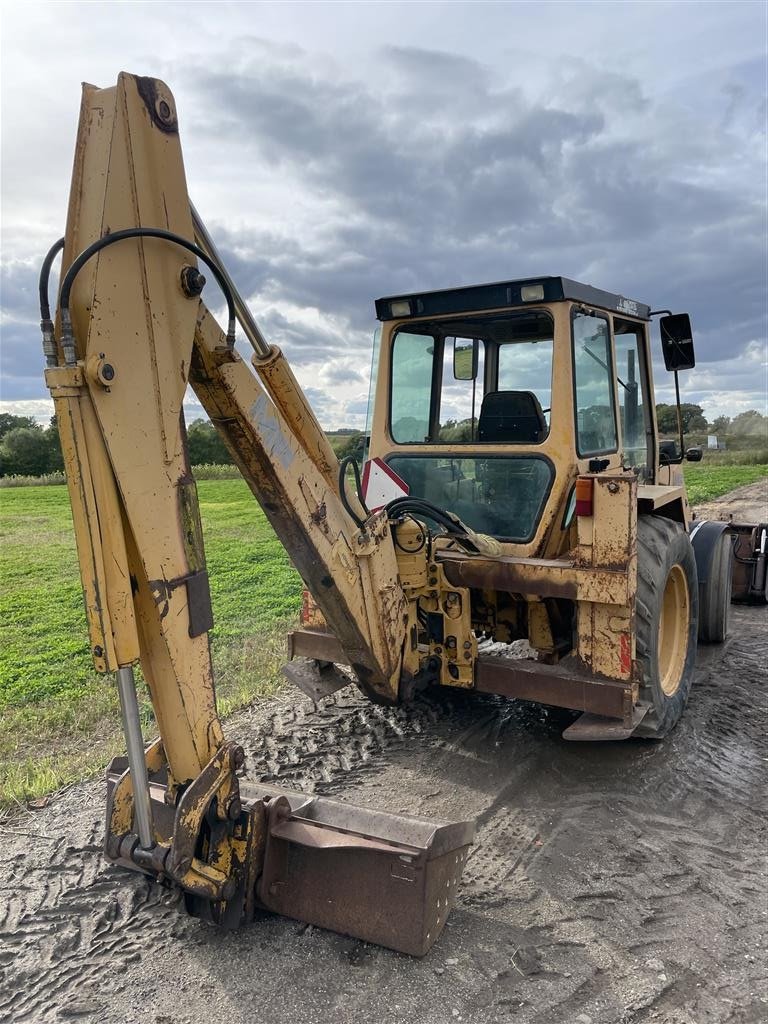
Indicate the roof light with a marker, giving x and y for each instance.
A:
(401, 307)
(532, 292)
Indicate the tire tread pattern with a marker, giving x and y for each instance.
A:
(660, 545)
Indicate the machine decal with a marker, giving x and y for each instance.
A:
(263, 415)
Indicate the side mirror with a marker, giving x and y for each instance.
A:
(694, 454)
(677, 341)
(465, 352)
(669, 453)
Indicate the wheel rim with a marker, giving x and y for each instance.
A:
(673, 630)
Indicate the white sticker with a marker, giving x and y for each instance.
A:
(381, 485)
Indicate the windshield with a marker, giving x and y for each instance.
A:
(501, 495)
(507, 401)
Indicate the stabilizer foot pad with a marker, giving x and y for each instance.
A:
(593, 728)
(315, 678)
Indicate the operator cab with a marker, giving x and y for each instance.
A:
(491, 399)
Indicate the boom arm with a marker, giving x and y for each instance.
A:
(139, 334)
(139, 338)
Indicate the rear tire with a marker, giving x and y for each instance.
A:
(715, 595)
(667, 612)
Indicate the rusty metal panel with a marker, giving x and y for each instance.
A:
(559, 685)
(536, 577)
(589, 728)
(384, 878)
(316, 679)
(318, 644)
(607, 545)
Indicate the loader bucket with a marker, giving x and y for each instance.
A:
(390, 879)
(385, 878)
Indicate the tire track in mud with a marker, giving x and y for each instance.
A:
(622, 883)
(667, 869)
(71, 927)
(70, 917)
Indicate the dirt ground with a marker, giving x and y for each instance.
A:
(747, 504)
(617, 883)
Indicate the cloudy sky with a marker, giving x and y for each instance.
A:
(343, 151)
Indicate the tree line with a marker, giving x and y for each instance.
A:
(29, 449)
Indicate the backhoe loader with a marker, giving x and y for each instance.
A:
(513, 491)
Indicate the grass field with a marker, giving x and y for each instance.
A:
(59, 720)
(705, 482)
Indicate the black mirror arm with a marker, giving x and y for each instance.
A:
(679, 416)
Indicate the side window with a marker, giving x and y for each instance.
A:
(632, 407)
(460, 400)
(412, 360)
(595, 417)
(527, 366)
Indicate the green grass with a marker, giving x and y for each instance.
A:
(59, 718)
(705, 482)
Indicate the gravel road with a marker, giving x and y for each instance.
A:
(617, 883)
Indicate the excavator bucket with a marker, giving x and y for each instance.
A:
(385, 878)
(390, 879)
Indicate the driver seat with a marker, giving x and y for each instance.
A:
(511, 417)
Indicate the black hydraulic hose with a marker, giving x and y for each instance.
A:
(420, 506)
(45, 273)
(118, 236)
(46, 324)
(350, 459)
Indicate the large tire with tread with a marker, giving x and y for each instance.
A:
(667, 613)
(715, 595)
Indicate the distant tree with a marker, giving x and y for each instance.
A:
(666, 417)
(55, 458)
(721, 425)
(352, 445)
(24, 451)
(9, 422)
(456, 430)
(205, 445)
(750, 424)
(692, 415)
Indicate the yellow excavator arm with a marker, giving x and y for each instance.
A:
(131, 333)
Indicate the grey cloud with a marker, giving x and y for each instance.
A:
(440, 172)
(342, 374)
(18, 290)
(356, 411)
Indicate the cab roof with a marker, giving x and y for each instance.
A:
(501, 294)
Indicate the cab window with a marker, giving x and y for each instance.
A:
(636, 432)
(413, 358)
(593, 378)
(507, 401)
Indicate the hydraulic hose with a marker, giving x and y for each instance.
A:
(46, 324)
(350, 460)
(67, 339)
